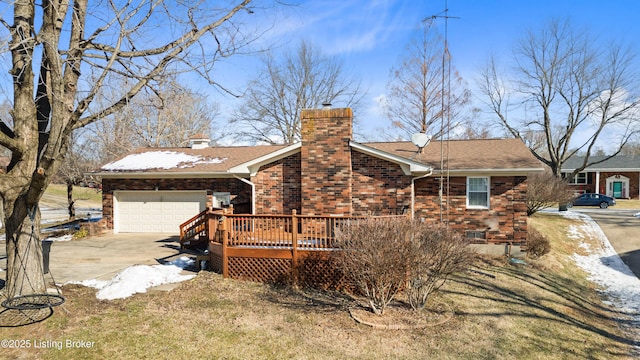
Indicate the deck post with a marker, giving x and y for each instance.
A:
(211, 226)
(211, 234)
(294, 244)
(223, 227)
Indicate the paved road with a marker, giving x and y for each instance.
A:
(623, 231)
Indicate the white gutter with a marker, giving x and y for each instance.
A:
(253, 192)
(413, 191)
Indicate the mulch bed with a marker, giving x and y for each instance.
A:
(399, 316)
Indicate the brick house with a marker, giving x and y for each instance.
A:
(482, 182)
(618, 177)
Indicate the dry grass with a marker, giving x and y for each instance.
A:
(544, 310)
(56, 196)
(627, 204)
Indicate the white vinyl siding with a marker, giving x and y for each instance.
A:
(478, 192)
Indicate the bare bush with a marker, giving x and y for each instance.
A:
(537, 244)
(544, 190)
(437, 252)
(374, 254)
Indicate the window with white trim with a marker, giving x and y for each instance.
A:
(221, 199)
(579, 178)
(478, 192)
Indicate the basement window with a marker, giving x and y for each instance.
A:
(475, 235)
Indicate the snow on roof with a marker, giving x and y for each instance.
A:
(159, 160)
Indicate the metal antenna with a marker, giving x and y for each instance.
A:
(445, 112)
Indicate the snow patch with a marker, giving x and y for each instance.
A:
(159, 160)
(618, 284)
(138, 278)
(67, 237)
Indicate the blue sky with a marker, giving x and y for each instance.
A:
(370, 36)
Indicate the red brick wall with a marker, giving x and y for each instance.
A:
(326, 161)
(504, 222)
(240, 192)
(634, 182)
(379, 187)
(278, 186)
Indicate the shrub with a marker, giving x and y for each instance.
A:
(374, 254)
(436, 253)
(544, 190)
(83, 232)
(537, 244)
(384, 255)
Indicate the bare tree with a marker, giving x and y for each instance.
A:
(566, 84)
(288, 83)
(63, 54)
(632, 149)
(164, 116)
(424, 88)
(544, 190)
(74, 169)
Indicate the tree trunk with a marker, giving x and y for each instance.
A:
(25, 273)
(70, 202)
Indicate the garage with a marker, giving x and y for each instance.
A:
(156, 211)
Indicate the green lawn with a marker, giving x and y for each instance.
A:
(59, 192)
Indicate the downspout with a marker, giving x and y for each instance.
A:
(413, 191)
(253, 192)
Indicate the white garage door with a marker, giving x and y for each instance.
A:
(156, 211)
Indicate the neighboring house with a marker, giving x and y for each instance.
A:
(618, 177)
(482, 182)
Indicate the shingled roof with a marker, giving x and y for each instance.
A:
(486, 155)
(468, 155)
(211, 160)
(616, 163)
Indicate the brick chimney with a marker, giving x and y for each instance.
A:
(326, 161)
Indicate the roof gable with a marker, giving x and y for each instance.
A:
(407, 165)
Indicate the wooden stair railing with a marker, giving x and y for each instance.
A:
(195, 231)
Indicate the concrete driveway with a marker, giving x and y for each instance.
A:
(623, 231)
(101, 257)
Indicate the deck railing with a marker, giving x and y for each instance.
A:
(263, 247)
(197, 231)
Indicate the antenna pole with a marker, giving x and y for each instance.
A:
(445, 114)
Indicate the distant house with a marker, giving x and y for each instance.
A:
(618, 177)
(477, 186)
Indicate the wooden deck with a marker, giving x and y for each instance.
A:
(267, 248)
